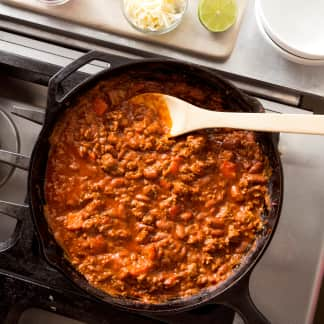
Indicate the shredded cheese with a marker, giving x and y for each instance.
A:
(154, 15)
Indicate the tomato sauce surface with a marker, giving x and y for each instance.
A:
(145, 216)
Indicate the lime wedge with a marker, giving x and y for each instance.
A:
(217, 15)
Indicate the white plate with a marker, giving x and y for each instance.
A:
(283, 52)
(297, 26)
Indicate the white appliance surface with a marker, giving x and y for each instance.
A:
(296, 25)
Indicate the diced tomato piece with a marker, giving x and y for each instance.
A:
(175, 165)
(150, 252)
(139, 268)
(228, 169)
(92, 156)
(165, 184)
(100, 106)
(174, 210)
(74, 221)
(97, 244)
(142, 266)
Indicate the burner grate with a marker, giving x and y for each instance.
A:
(9, 141)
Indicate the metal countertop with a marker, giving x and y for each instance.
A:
(252, 57)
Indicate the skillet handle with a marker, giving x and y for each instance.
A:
(238, 298)
(55, 82)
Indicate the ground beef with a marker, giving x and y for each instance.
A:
(145, 216)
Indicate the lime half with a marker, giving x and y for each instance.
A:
(217, 15)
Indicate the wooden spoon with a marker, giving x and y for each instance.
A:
(186, 117)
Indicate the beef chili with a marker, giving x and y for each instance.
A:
(145, 216)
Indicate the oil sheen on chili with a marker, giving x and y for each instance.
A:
(145, 216)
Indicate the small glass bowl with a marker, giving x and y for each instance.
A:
(159, 31)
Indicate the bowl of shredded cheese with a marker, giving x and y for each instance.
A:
(154, 16)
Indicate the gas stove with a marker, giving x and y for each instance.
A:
(286, 280)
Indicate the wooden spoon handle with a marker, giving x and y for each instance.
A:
(187, 117)
(269, 122)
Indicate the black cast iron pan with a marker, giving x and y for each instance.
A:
(234, 292)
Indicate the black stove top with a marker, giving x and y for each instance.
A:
(27, 281)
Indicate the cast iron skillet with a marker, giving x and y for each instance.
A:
(233, 292)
